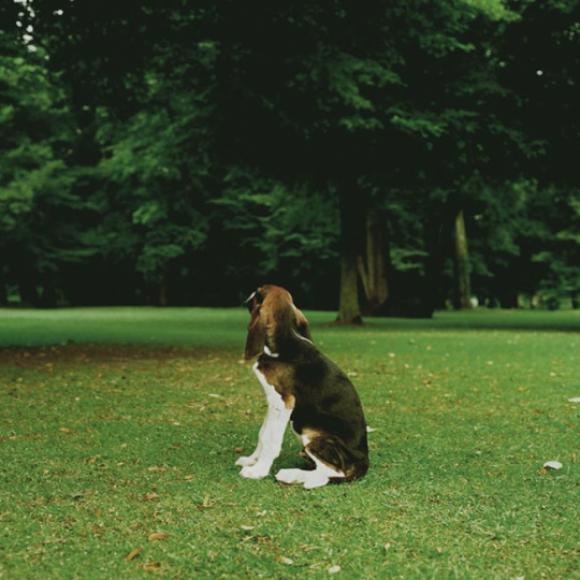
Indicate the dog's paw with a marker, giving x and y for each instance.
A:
(246, 461)
(290, 476)
(316, 480)
(255, 471)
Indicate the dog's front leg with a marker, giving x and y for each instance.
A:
(271, 434)
(269, 441)
(249, 460)
(269, 392)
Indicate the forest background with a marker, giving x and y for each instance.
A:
(378, 157)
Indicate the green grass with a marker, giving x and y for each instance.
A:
(118, 423)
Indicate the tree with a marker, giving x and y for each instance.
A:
(39, 212)
(373, 265)
(231, 142)
(541, 65)
(154, 190)
(463, 284)
(341, 100)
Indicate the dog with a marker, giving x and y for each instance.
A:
(304, 387)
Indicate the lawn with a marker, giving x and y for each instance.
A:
(119, 429)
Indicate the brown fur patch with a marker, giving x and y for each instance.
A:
(281, 376)
(272, 314)
(311, 433)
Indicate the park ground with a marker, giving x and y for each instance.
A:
(119, 429)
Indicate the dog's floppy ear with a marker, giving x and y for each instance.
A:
(273, 320)
(302, 326)
(256, 338)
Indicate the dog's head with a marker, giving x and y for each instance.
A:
(273, 317)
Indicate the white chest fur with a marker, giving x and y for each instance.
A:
(271, 433)
(272, 395)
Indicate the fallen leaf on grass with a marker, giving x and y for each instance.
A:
(151, 566)
(247, 528)
(206, 503)
(258, 538)
(157, 469)
(155, 536)
(287, 561)
(574, 400)
(552, 465)
(150, 496)
(65, 430)
(133, 554)
(370, 429)
(334, 569)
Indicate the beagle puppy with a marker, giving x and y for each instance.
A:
(306, 388)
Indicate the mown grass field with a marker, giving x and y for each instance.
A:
(119, 429)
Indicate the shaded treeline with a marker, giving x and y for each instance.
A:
(377, 157)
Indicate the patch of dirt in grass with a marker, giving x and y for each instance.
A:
(30, 357)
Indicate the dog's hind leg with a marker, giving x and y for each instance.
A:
(311, 479)
(290, 476)
(327, 459)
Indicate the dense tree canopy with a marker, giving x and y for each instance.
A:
(381, 157)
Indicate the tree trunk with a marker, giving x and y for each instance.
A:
(372, 267)
(349, 307)
(162, 297)
(27, 290)
(462, 298)
(438, 238)
(508, 296)
(48, 296)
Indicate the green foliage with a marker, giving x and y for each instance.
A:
(38, 234)
(151, 183)
(154, 150)
(494, 9)
(29, 162)
(283, 226)
(560, 256)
